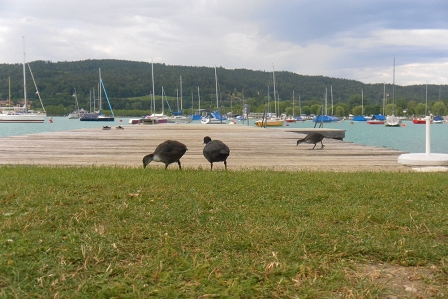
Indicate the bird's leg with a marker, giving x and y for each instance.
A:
(314, 146)
(225, 164)
(180, 167)
(166, 166)
(322, 147)
(211, 165)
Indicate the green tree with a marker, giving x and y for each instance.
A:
(306, 110)
(316, 109)
(357, 110)
(420, 109)
(439, 108)
(339, 111)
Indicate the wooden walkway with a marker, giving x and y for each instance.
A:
(250, 147)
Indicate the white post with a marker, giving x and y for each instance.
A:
(428, 135)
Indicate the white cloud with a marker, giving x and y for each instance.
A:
(344, 39)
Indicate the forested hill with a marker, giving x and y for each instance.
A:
(125, 80)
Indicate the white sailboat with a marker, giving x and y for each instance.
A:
(177, 118)
(21, 114)
(272, 120)
(77, 113)
(158, 117)
(215, 117)
(392, 120)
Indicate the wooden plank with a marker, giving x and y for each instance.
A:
(250, 147)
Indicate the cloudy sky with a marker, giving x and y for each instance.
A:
(352, 39)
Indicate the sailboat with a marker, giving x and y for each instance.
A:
(325, 118)
(422, 120)
(179, 111)
(155, 117)
(438, 119)
(99, 116)
(292, 119)
(197, 116)
(361, 117)
(215, 117)
(176, 117)
(77, 113)
(271, 120)
(378, 119)
(21, 114)
(392, 120)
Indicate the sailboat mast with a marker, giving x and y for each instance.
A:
(362, 101)
(192, 99)
(24, 76)
(181, 93)
(393, 90)
(177, 99)
(90, 100)
(275, 99)
(163, 111)
(199, 97)
(153, 99)
(326, 93)
(216, 88)
(384, 96)
(293, 102)
(99, 92)
(331, 92)
(269, 104)
(9, 92)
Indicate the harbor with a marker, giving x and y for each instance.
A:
(250, 148)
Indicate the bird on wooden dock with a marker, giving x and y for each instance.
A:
(215, 151)
(312, 138)
(167, 152)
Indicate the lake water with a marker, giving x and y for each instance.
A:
(409, 138)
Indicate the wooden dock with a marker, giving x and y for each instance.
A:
(250, 147)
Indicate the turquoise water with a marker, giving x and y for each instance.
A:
(409, 138)
(59, 124)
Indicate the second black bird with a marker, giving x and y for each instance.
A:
(215, 151)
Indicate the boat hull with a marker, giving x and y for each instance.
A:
(270, 123)
(96, 117)
(22, 118)
(420, 121)
(179, 119)
(375, 122)
(392, 121)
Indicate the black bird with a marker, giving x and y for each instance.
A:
(312, 138)
(215, 151)
(167, 152)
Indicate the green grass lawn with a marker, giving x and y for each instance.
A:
(111, 232)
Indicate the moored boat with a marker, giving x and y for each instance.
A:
(214, 118)
(376, 119)
(291, 120)
(270, 122)
(21, 114)
(99, 116)
(438, 119)
(420, 121)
